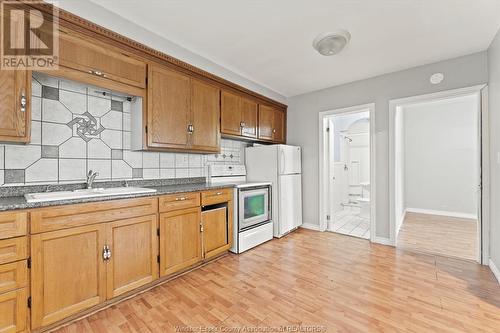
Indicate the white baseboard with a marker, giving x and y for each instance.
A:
(310, 226)
(383, 241)
(494, 269)
(441, 213)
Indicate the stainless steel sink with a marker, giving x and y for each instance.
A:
(86, 193)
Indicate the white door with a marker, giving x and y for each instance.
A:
(288, 160)
(290, 203)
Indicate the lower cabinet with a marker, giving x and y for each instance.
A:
(77, 268)
(134, 248)
(13, 311)
(68, 273)
(215, 231)
(180, 240)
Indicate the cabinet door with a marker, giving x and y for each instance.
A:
(168, 100)
(248, 118)
(15, 119)
(230, 113)
(180, 242)
(103, 61)
(266, 122)
(279, 126)
(13, 311)
(134, 249)
(215, 231)
(205, 114)
(68, 273)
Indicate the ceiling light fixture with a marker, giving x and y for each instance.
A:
(330, 43)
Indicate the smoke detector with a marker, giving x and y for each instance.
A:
(330, 43)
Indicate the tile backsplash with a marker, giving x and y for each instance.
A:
(76, 128)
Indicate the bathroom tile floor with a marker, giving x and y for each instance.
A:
(348, 222)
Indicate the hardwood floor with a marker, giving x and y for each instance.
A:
(333, 282)
(441, 235)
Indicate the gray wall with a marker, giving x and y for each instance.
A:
(97, 14)
(494, 107)
(303, 119)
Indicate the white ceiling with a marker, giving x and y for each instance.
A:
(269, 41)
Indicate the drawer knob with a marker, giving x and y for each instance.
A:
(180, 199)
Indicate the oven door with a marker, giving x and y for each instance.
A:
(254, 207)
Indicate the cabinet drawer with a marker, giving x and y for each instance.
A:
(14, 311)
(62, 217)
(13, 276)
(13, 249)
(103, 61)
(172, 202)
(216, 196)
(13, 224)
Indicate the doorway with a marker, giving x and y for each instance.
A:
(347, 173)
(436, 159)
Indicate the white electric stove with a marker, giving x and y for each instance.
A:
(253, 223)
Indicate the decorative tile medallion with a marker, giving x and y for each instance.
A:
(86, 126)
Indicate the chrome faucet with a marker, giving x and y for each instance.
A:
(90, 178)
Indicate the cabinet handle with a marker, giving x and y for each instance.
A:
(242, 124)
(106, 253)
(274, 130)
(24, 102)
(190, 128)
(180, 199)
(98, 73)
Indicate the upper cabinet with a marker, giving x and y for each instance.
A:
(205, 114)
(91, 57)
(271, 124)
(182, 112)
(168, 109)
(15, 105)
(238, 115)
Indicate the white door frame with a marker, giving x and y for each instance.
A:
(323, 163)
(484, 198)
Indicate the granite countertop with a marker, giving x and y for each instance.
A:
(16, 199)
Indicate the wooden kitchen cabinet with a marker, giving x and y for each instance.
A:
(15, 105)
(180, 240)
(68, 272)
(205, 115)
(230, 113)
(215, 231)
(183, 113)
(279, 126)
(249, 113)
(169, 108)
(134, 251)
(266, 122)
(14, 311)
(238, 115)
(271, 124)
(94, 58)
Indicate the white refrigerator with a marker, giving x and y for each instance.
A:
(280, 165)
